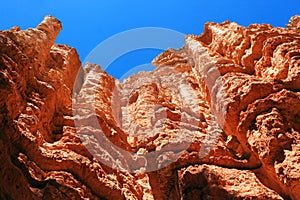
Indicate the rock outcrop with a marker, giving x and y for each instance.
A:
(217, 119)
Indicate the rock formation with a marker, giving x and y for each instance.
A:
(217, 119)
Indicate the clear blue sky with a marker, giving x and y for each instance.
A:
(87, 23)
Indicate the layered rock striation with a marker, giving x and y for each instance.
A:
(217, 119)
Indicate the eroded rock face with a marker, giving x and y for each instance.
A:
(217, 119)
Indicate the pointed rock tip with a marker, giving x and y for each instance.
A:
(294, 22)
(50, 25)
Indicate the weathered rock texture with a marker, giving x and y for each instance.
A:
(217, 119)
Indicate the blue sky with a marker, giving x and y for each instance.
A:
(88, 23)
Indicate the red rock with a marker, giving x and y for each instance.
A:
(217, 119)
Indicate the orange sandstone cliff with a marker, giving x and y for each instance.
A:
(217, 119)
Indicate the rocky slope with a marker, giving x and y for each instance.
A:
(217, 119)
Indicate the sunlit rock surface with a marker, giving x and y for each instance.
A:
(217, 119)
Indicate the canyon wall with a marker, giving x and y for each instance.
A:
(217, 119)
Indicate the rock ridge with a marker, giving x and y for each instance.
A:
(217, 119)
